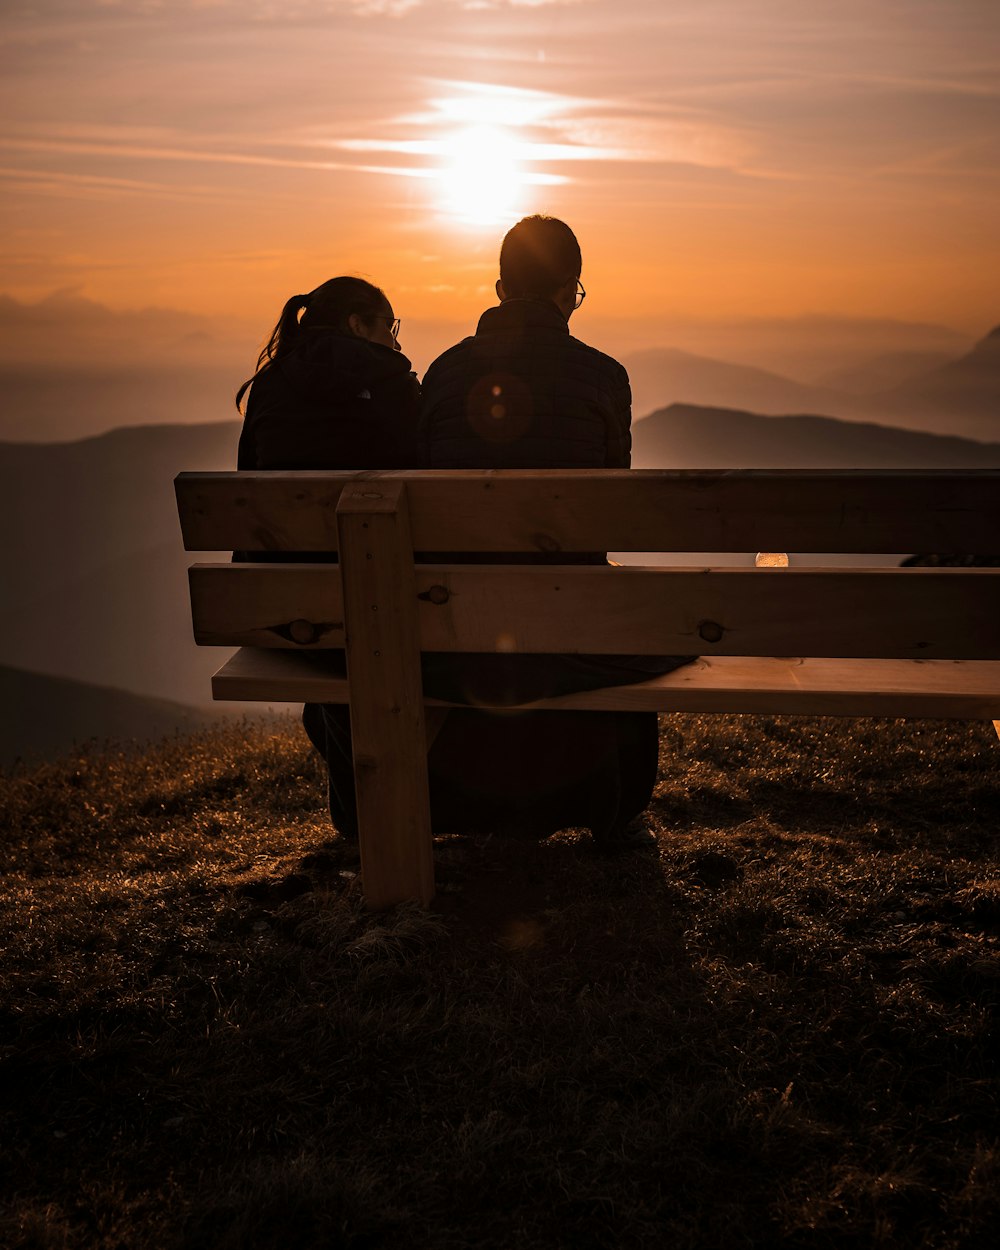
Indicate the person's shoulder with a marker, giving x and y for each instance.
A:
(451, 355)
(456, 349)
(381, 362)
(599, 360)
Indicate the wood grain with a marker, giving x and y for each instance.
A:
(740, 510)
(816, 687)
(920, 613)
(386, 698)
(267, 605)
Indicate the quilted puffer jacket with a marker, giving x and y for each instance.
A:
(522, 393)
(333, 402)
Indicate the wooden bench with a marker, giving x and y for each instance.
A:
(885, 641)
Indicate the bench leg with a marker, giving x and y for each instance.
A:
(386, 696)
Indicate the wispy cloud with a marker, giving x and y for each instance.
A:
(271, 9)
(547, 128)
(83, 147)
(59, 182)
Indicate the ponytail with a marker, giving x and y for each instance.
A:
(329, 305)
(283, 338)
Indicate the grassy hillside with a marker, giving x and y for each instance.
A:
(779, 1031)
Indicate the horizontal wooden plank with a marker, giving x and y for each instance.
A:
(816, 687)
(267, 605)
(921, 613)
(874, 511)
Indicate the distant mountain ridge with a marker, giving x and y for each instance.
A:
(964, 392)
(71, 367)
(806, 348)
(689, 436)
(883, 372)
(44, 404)
(45, 717)
(960, 396)
(93, 568)
(665, 375)
(67, 508)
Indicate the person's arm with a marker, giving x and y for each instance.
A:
(618, 447)
(246, 452)
(397, 402)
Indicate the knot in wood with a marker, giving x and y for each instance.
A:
(710, 631)
(303, 631)
(436, 594)
(545, 542)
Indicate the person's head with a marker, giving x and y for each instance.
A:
(540, 259)
(347, 305)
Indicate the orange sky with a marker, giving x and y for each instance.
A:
(718, 159)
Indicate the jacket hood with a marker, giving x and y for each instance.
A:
(339, 366)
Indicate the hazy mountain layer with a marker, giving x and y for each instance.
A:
(94, 574)
(963, 395)
(71, 367)
(663, 376)
(882, 372)
(125, 624)
(806, 349)
(686, 436)
(45, 716)
(53, 405)
(69, 508)
(918, 392)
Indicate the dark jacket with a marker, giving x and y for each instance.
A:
(333, 402)
(523, 393)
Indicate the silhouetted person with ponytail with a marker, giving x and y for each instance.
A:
(332, 389)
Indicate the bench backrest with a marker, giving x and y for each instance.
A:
(377, 520)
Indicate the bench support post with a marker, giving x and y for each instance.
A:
(386, 696)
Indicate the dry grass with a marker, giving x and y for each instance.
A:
(779, 1032)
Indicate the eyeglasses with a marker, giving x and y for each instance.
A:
(393, 323)
(581, 294)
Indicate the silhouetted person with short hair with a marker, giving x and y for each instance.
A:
(522, 392)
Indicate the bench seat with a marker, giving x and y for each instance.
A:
(966, 689)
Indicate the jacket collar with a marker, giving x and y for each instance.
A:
(522, 314)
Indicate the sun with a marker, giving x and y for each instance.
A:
(483, 178)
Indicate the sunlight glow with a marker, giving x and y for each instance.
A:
(486, 104)
(483, 177)
(482, 146)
